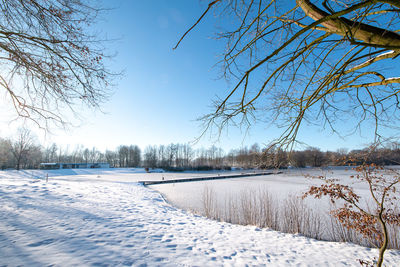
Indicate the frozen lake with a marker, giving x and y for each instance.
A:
(275, 201)
(291, 182)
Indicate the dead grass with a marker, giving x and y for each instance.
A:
(293, 215)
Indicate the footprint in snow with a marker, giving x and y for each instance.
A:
(159, 259)
(41, 243)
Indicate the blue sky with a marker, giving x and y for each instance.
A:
(164, 91)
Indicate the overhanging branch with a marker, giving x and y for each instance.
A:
(367, 33)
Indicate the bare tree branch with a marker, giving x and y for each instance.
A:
(49, 59)
(309, 62)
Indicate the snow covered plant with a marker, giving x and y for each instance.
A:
(371, 222)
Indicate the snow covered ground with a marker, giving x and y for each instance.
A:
(105, 218)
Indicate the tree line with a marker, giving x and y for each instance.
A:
(24, 152)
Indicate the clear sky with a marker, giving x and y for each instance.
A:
(164, 91)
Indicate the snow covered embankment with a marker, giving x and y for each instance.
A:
(122, 224)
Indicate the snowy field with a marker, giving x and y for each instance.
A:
(105, 218)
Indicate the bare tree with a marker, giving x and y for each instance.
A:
(22, 146)
(317, 61)
(49, 58)
(111, 158)
(298, 159)
(123, 153)
(150, 157)
(94, 155)
(86, 155)
(314, 157)
(50, 153)
(33, 158)
(187, 152)
(5, 154)
(134, 156)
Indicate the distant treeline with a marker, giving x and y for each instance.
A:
(24, 153)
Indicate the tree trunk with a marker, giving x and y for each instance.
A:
(384, 244)
(357, 30)
(18, 163)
